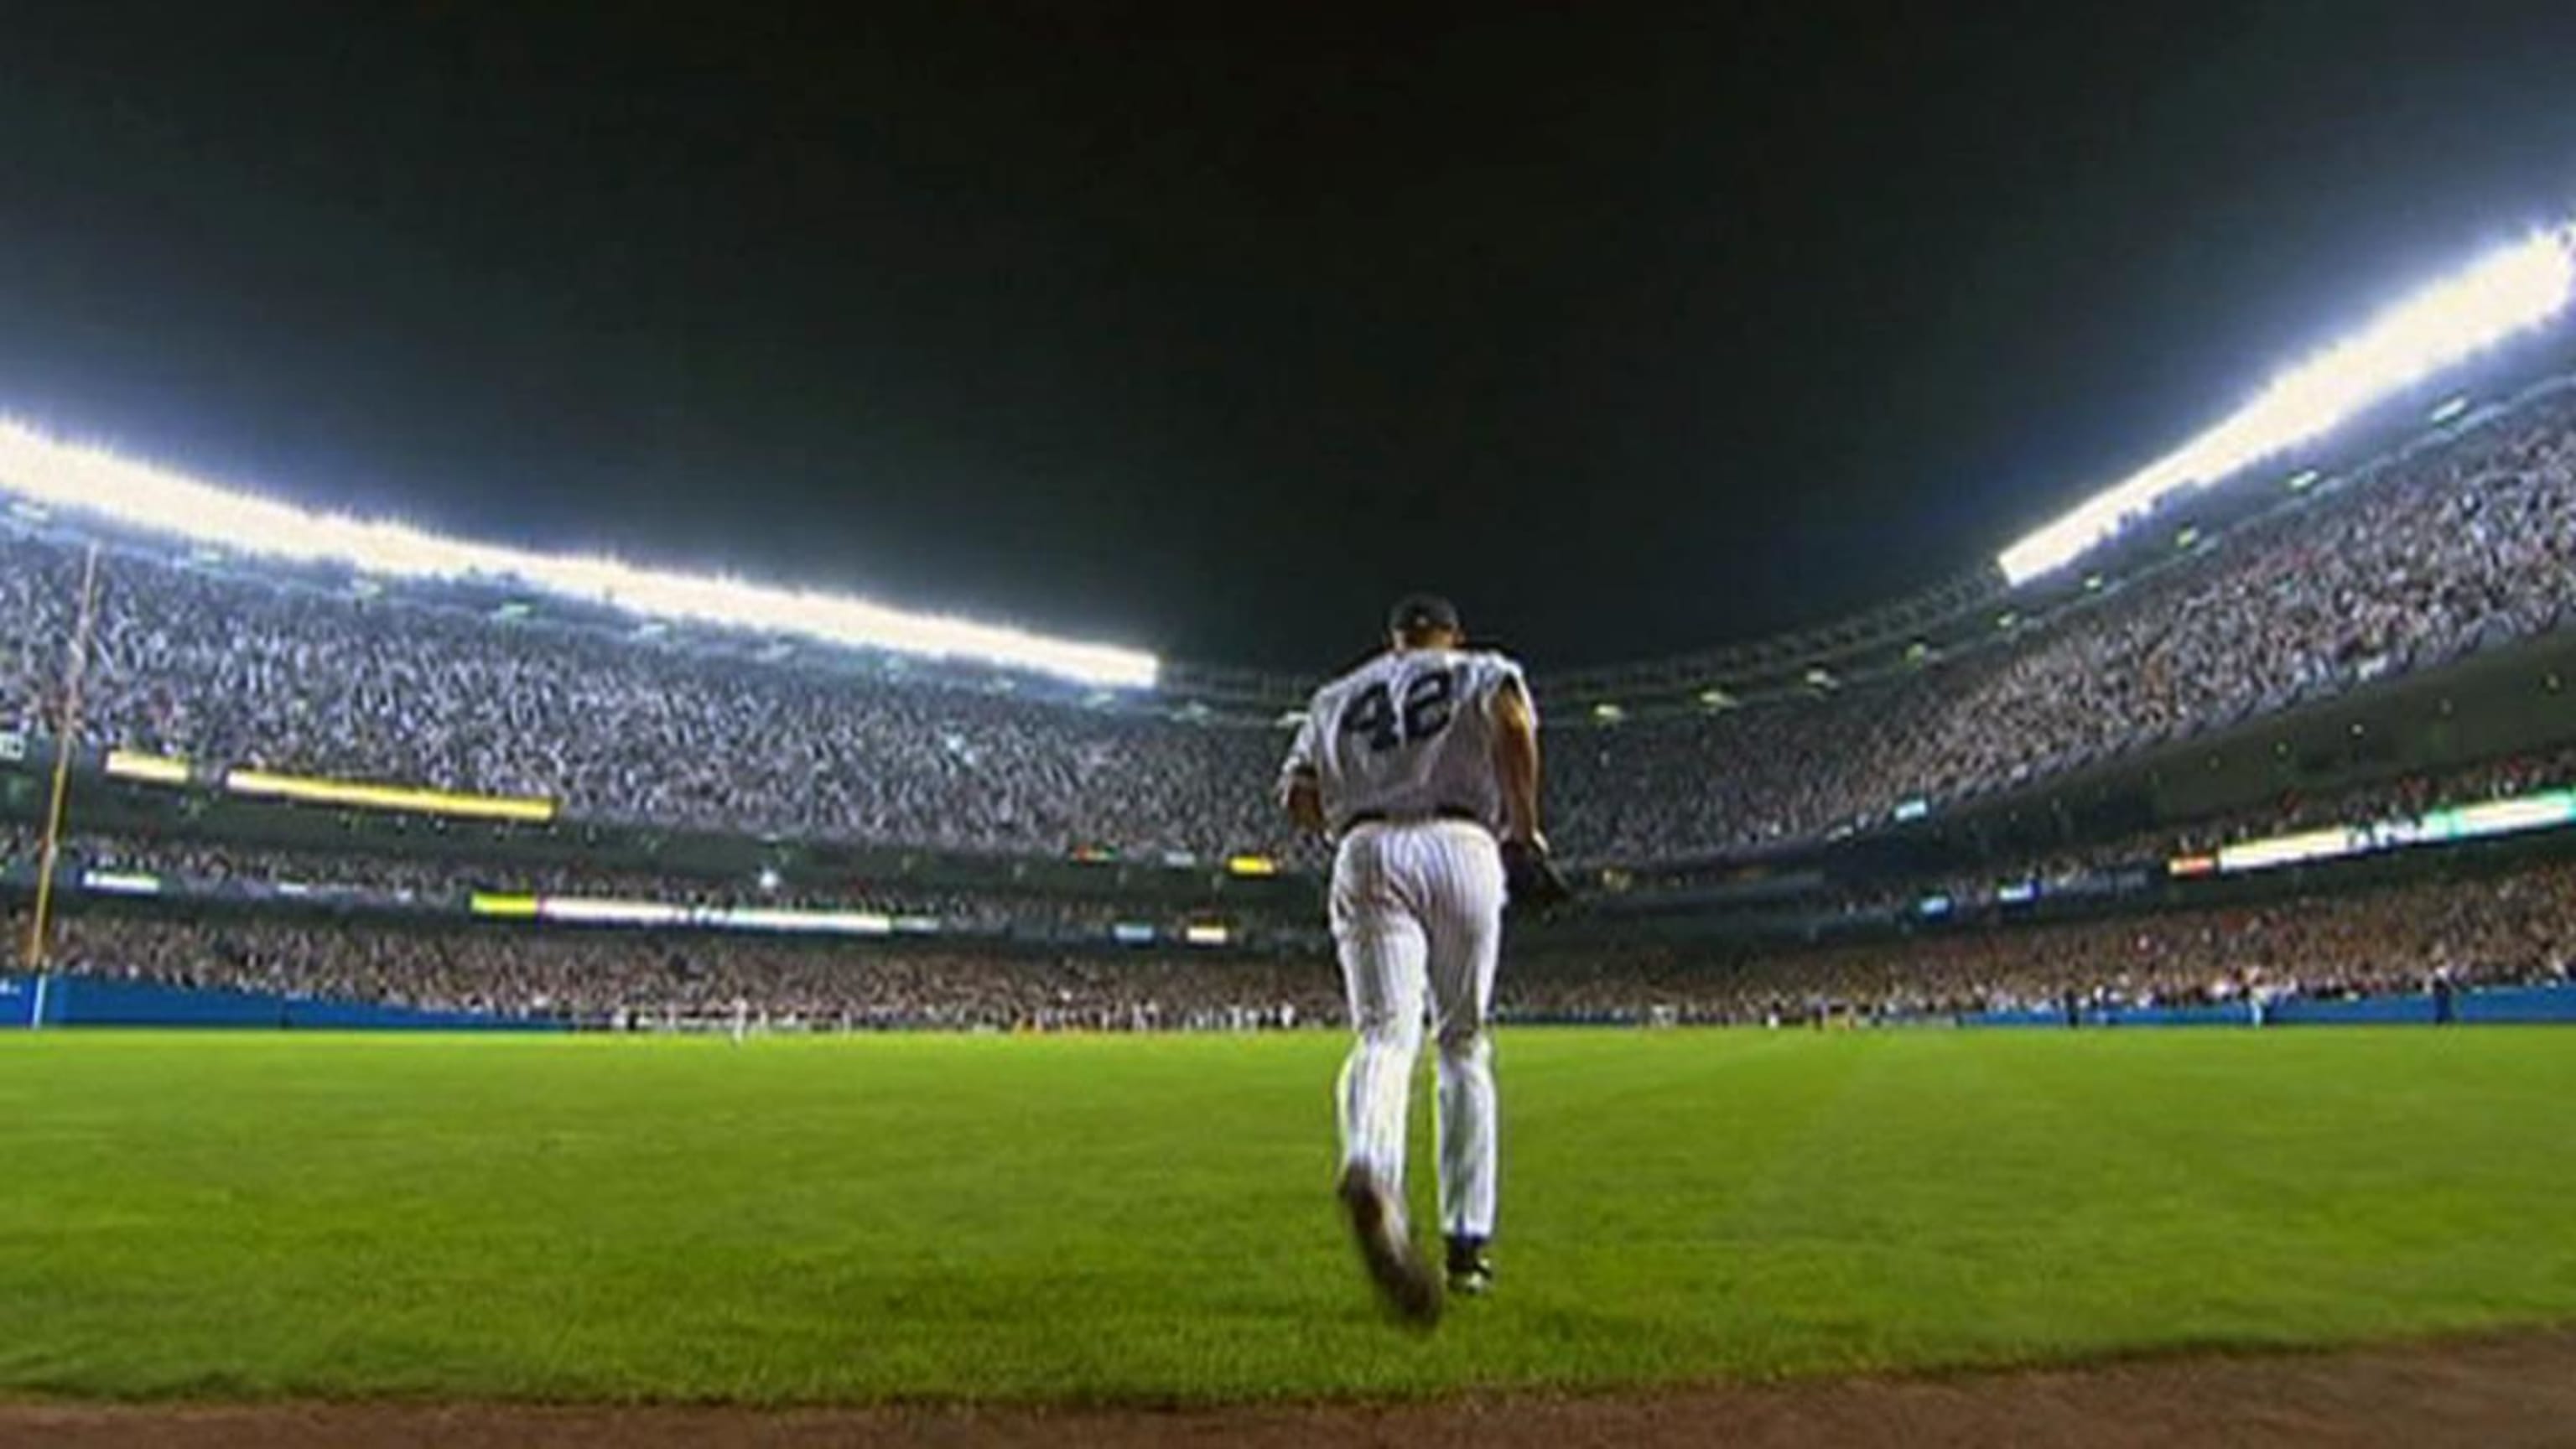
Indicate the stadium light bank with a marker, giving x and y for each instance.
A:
(2504, 293)
(91, 480)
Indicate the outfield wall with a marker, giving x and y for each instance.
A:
(19, 1002)
(27, 1001)
(2502, 1005)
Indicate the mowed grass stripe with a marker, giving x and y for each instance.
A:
(1126, 1218)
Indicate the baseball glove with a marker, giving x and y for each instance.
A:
(1532, 880)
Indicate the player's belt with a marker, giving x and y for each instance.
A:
(1437, 812)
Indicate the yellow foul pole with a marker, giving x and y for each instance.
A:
(66, 732)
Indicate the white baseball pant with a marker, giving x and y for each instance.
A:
(1418, 908)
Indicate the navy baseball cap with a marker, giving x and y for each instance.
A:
(1421, 614)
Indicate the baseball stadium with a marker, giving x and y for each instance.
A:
(467, 991)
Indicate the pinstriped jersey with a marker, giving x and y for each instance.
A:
(1409, 733)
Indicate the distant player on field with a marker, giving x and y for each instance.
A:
(1423, 766)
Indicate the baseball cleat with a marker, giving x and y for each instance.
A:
(1404, 1284)
(1471, 1272)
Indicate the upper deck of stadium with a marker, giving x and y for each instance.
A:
(2458, 354)
(2368, 532)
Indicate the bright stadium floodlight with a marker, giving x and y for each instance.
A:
(48, 471)
(2507, 292)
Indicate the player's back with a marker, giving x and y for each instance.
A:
(1409, 734)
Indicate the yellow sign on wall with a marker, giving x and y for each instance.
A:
(413, 798)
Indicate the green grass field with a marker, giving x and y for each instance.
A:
(226, 1215)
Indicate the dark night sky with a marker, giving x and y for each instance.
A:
(1636, 330)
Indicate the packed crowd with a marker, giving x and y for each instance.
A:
(2118, 866)
(613, 978)
(452, 880)
(229, 668)
(2402, 798)
(2471, 931)
(200, 865)
(2456, 546)
(2406, 797)
(2470, 544)
(449, 878)
(2511, 929)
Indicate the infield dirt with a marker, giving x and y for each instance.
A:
(2501, 1392)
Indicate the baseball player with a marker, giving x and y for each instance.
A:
(1423, 766)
